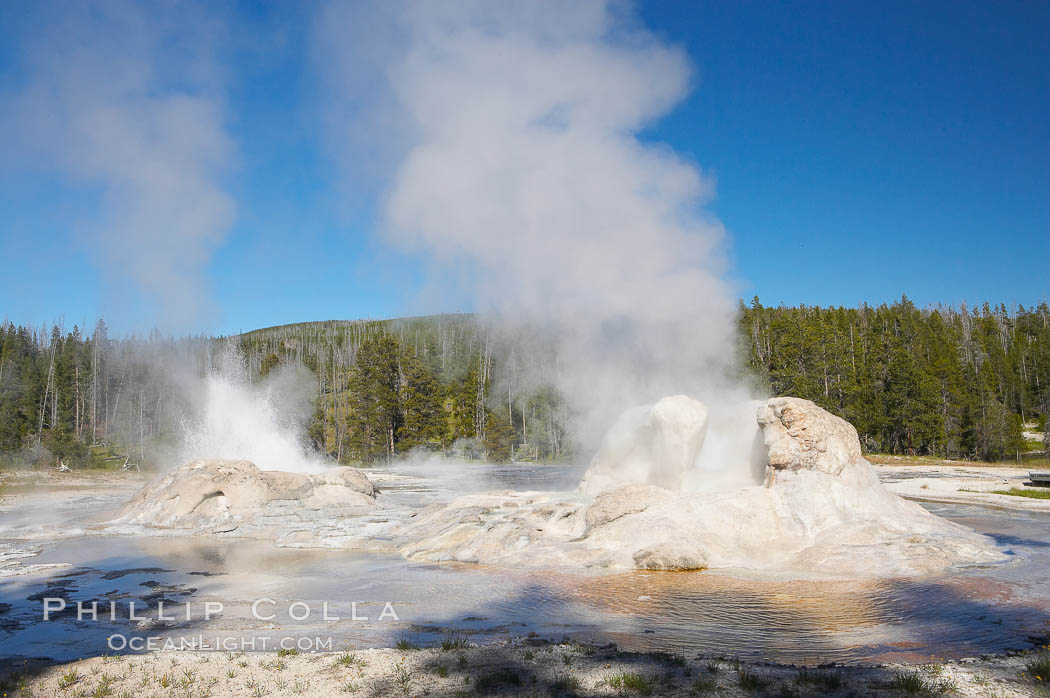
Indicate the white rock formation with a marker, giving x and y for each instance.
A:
(819, 510)
(801, 436)
(225, 496)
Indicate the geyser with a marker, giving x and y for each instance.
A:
(649, 500)
(216, 496)
(660, 445)
(817, 510)
(237, 420)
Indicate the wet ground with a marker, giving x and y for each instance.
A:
(971, 612)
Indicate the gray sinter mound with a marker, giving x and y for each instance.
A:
(776, 487)
(224, 496)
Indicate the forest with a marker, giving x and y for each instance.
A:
(949, 382)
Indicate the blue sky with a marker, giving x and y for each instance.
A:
(860, 151)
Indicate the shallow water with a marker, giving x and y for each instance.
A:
(977, 611)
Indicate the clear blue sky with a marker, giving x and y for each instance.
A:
(861, 151)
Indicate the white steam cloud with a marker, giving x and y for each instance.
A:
(510, 135)
(122, 99)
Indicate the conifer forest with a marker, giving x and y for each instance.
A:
(955, 383)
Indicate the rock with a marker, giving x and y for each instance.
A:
(670, 555)
(628, 499)
(799, 434)
(653, 444)
(226, 496)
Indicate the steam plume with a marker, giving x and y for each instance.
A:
(509, 134)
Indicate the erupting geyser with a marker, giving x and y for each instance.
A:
(815, 508)
(678, 445)
(794, 497)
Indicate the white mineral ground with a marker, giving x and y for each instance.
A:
(943, 481)
(513, 668)
(777, 488)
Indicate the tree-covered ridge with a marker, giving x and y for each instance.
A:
(955, 383)
(442, 383)
(947, 382)
(89, 399)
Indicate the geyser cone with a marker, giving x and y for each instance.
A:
(819, 510)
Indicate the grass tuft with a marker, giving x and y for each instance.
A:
(629, 682)
(103, 689)
(669, 658)
(830, 680)
(704, 685)
(1039, 669)
(565, 685)
(451, 642)
(1018, 492)
(749, 681)
(910, 683)
(488, 683)
(68, 679)
(349, 659)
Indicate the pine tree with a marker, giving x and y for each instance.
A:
(421, 424)
(499, 437)
(268, 364)
(374, 417)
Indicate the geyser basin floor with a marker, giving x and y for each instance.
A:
(966, 614)
(523, 668)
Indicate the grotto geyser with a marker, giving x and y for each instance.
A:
(794, 495)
